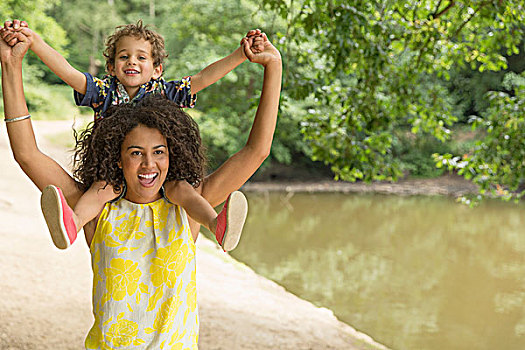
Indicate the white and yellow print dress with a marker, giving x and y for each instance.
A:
(144, 283)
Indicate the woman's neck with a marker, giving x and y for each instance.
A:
(142, 200)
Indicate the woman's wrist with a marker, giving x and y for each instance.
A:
(273, 64)
(11, 63)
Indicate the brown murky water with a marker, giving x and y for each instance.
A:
(413, 272)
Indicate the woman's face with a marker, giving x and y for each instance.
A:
(144, 162)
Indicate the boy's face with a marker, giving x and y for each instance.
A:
(134, 63)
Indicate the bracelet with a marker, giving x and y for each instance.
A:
(12, 120)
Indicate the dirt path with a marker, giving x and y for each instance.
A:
(45, 294)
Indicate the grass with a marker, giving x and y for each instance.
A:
(53, 102)
(65, 139)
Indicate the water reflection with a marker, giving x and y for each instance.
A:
(413, 272)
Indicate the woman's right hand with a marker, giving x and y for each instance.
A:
(18, 50)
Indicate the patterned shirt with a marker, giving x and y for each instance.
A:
(106, 92)
(144, 278)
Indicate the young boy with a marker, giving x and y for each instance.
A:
(134, 57)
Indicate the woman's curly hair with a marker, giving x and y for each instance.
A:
(97, 150)
(140, 31)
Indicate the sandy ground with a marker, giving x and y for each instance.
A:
(45, 294)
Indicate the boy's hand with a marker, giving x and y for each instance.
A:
(268, 53)
(11, 27)
(255, 40)
(15, 24)
(258, 43)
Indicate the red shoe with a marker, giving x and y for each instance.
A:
(59, 217)
(231, 220)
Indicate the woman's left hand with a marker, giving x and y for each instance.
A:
(268, 53)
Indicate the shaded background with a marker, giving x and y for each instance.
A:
(370, 89)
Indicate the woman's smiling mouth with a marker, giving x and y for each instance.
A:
(148, 180)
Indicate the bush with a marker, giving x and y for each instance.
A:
(415, 151)
(52, 102)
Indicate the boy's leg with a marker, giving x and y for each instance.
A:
(92, 202)
(183, 194)
(227, 226)
(64, 222)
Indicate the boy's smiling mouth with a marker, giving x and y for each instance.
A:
(131, 71)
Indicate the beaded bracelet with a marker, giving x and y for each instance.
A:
(12, 120)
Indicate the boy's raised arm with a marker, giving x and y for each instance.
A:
(220, 68)
(51, 58)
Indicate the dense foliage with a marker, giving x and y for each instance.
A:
(384, 65)
(371, 88)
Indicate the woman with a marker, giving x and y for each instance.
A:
(142, 246)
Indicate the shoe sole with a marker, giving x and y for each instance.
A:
(52, 210)
(236, 216)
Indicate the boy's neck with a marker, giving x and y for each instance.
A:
(132, 91)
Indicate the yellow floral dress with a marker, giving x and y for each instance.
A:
(144, 283)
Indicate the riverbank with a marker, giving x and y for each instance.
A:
(447, 185)
(45, 294)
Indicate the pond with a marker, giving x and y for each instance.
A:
(412, 272)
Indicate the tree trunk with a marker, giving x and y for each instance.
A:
(152, 9)
(94, 64)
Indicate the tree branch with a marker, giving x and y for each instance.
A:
(85, 28)
(445, 10)
(414, 11)
(290, 23)
(437, 8)
(402, 15)
(460, 28)
(421, 52)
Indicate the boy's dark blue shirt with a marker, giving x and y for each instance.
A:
(103, 93)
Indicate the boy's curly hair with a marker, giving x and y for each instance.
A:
(140, 31)
(97, 150)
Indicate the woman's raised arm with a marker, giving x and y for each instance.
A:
(240, 167)
(40, 168)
